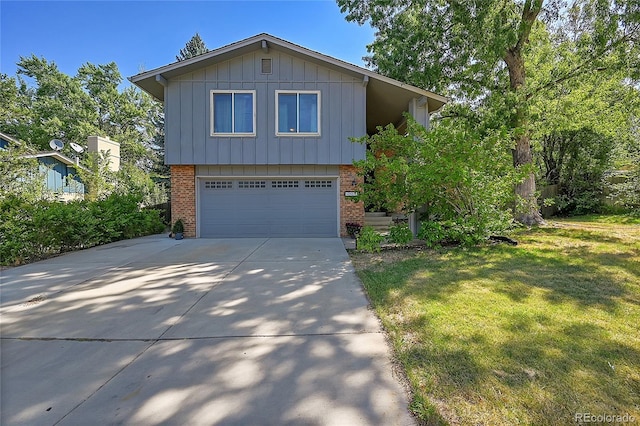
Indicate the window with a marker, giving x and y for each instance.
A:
(284, 184)
(297, 113)
(251, 184)
(233, 113)
(218, 184)
(318, 184)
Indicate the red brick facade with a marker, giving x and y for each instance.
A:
(183, 197)
(350, 211)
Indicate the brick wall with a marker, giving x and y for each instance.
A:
(349, 211)
(183, 197)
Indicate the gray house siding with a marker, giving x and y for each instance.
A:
(187, 107)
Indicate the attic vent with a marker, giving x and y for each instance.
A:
(266, 66)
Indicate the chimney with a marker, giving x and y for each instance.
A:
(104, 144)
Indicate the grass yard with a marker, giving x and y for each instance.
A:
(532, 334)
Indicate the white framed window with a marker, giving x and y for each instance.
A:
(298, 113)
(233, 113)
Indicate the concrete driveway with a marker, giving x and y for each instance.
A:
(194, 332)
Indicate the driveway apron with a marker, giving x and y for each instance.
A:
(195, 332)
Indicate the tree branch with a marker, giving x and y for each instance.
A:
(582, 67)
(530, 12)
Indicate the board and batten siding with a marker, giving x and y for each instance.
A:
(187, 108)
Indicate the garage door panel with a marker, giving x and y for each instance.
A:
(249, 207)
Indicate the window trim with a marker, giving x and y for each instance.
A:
(299, 92)
(232, 92)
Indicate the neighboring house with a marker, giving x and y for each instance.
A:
(60, 173)
(257, 134)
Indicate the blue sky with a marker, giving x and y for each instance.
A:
(142, 35)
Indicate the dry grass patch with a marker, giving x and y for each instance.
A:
(531, 334)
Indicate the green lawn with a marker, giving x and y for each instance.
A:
(531, 334)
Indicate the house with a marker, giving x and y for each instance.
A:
(59, 172)
(257, 135)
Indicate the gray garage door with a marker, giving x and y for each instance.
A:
(268, 207)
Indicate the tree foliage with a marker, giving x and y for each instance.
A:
(44, 104)
(585, 126)
(20, 174)
(194, 47)
(453, 174)
(478, 53)
(53, 105)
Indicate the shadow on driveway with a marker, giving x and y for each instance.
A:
(206, 331)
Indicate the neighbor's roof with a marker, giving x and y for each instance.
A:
(58, 156)
(381, 91)
(9, 139)
(53, 154)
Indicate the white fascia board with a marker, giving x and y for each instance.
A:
(271, 41)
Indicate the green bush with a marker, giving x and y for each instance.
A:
(626, 194)
(454, 173)
(369, 240)
(35, 230)
(432, 233)
(400, 233)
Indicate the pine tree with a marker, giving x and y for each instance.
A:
(194, 47)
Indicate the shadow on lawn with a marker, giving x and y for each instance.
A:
(545, 366)
(574, 275)
(542, 379)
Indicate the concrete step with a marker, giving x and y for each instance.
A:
(375, 214)
(378, 221)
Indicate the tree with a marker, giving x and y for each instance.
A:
(48, 104)
(59, 106)
(477, 53)
(20, 174)
(15, 113)
(98, 178)
(194, 47)
(462, 176)
(574, 144)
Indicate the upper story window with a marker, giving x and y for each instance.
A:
(297, 113)
(233, 113)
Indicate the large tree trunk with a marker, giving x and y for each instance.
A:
(527, 211)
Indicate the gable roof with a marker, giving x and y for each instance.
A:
(9, 139)
(57, 156)
(43, 154)
(386, 98)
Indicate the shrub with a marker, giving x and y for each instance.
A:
(626, 193)
(455, 172)
(432, 233)
(400, 234)
(36, 230)
(178, 227)
(369, 240)
(353, 229)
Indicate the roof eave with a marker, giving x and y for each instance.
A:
(54, 154)
(150, 81)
